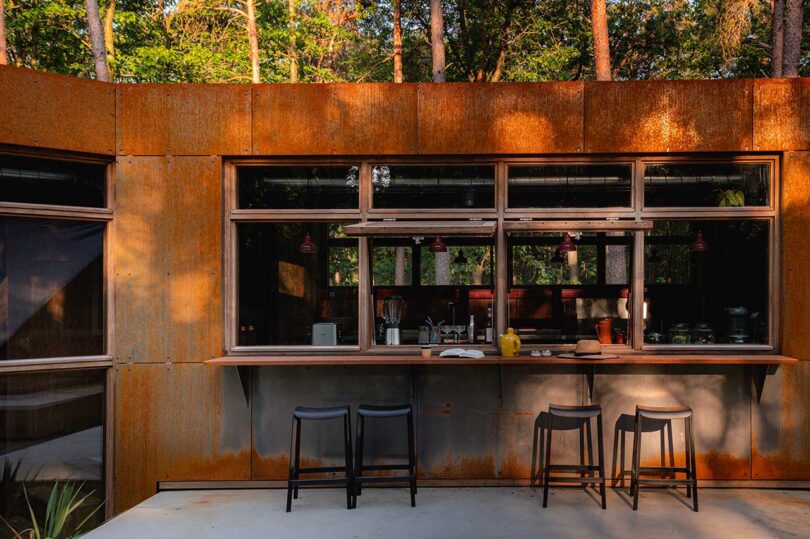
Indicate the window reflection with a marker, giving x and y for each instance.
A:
(433, 186)
(47, 181)
(297, 284)
(51, 429)
(430, 294)
(51, 288)
(299, 187)
(562, 288)
(570, 186)
(711, 185)
(707, 282)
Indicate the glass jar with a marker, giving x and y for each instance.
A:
(703, 333)
(680, 333)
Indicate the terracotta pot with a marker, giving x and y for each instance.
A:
(604, 332)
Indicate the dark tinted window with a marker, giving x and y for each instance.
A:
(51, 301)
(439, 186)
(51, 429)
(299, 187)
(570, 186)
(709, 185)
(707, 282)
(45, 181)
(297, 284)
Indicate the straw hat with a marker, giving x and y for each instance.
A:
(588, 349)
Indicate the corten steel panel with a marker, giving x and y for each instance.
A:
(277, 390)
(57, 112)
(177, 422)
(167, 263)
(184, 119)
(781, 114)
(781, 426)
(795, 281)
(719, 396)
(466, 432)
(330, 119)
(484, 118)
(669, 116)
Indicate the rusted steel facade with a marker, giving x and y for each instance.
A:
(177, 419)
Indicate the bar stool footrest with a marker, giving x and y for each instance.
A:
(667, 482)
(661, 470)
(381, 467)
(378, 479)
(573, 468)
(322, 469)
(574, 479)
(325, 481)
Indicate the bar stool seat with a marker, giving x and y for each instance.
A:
(384, 412)
(568, 417)
(294, 480)
(304, 412)
(653, 413)
(369, 410)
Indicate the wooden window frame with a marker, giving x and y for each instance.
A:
(633, 220)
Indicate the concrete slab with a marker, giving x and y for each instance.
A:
(455, 512)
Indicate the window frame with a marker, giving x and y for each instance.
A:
(72, 213)
(629, 219)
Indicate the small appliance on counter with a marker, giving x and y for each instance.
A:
(702, 333)
(738, 325)
(392, 314)
(510, 343)
(324, 334)
(680, 333)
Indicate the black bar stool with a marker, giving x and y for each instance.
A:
(562, 417)
(294, 479)
(658, 414)
(384, 412)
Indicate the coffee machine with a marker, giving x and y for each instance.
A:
(392, 315)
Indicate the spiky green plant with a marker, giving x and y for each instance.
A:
(65, 499)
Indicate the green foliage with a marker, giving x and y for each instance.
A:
(351, 40)
(61, 513)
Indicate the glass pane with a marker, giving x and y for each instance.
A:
(711, 185)
(707, 282)
(570, 186)
(562, 288)
(297, 284)
(51, 429)
(435, 186)
(424, 288)
(392, 264)
(299, 187)
(45, 181)
(51, 288)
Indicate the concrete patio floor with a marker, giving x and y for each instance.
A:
(462, 512)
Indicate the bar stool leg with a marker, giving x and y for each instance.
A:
(687, 459)
(411, 458)
(589, 440)
(347, 457)
(636, 462)
(582, 449)
(297, 456)
(671, 446)
(548, 460)
(291, 474)
(692, 465)
(614, 479)
(358, 459)
(601, 453)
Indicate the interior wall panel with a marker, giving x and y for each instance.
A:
(43, 110)
(184, 119)
(334, 119)
(485, 118)
(669, 116)
(177, 422)
(781, 114)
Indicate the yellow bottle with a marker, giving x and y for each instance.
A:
(510, 343)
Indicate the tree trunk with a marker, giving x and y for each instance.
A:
(399, 266)
(97, 40)
(293, 51)
(397, 5)
(3, 50)
(109, 44)
(601, 45)
(778, 40)
(616, 262)
(793, 38)
(253, 39)
(442, 263)
(437, 40)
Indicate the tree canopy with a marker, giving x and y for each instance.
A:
(352, 40)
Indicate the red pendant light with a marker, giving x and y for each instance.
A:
(567, 245)
(308, 246)
(438, 246)
(699, 245)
